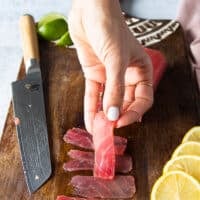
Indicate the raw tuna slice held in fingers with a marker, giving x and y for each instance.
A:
(81, 138)
(103, 139)
(85, 161)
(90, 187)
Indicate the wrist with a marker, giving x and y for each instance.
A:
(95, 4)
(98, 9)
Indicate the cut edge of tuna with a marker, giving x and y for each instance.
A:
(91, 187)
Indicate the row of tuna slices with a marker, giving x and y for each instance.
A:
(105, 159)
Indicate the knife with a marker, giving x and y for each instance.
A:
(151, 9)
(29, 110)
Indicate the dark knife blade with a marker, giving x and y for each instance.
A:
(29, 108)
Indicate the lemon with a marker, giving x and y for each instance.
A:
(65, 40)
(188, 164)
(192, 135)
(188, 148)
(176, 185)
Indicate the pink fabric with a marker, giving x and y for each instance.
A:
(189, 17)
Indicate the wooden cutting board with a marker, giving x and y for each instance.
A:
(150, 143)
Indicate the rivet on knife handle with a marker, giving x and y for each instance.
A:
(29, 39)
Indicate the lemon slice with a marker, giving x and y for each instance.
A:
(176, 185)
(188, 148)
(192, 135)
(188, 164)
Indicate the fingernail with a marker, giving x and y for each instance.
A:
(113, 113)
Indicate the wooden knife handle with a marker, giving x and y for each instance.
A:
(29, 38)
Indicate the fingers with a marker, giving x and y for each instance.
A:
(129, 96)
(143, 101)
(91, 99)
(128, 118)
(114, 90)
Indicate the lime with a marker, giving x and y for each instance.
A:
(50, 17)
(187, 164)
(192, 135)
(188, 148)
(65, 40)
(176, 185)
(53, 30)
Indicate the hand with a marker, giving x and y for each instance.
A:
(110, 55)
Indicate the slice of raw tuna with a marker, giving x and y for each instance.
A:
(120, 145)
(83, 139)
(79, 137)
(159, 65)
(123, 163)
(81, 155)
(90, 187)
(104, 151)
(62, 197)
(77, 165)
(85, 161)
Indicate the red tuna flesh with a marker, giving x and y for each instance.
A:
(104, 151)
(83, 139)
(62, 197)
(85, 161)
(91, 187)
(159, 65)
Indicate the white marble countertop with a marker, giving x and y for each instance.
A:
(10, 46)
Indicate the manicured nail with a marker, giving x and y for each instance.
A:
(113, 113)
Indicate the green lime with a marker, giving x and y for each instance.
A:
(53, 30)
(65, 40)
(50, 17)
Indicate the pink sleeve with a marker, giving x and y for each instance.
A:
(189, 17)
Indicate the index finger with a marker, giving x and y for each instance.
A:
(91, 99)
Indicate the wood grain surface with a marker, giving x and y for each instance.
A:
(150, 143)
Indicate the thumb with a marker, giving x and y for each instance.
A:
(114, 91)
